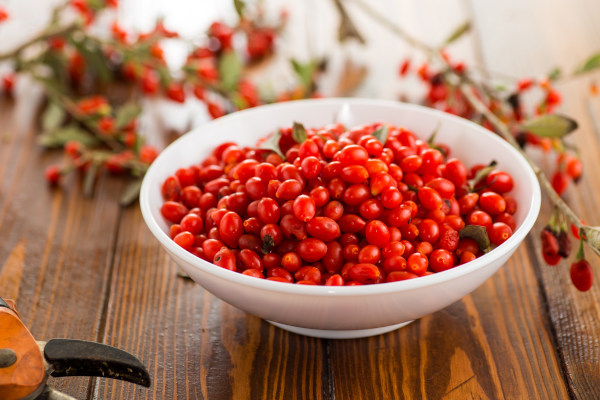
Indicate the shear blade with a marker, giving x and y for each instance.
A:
(70, 357)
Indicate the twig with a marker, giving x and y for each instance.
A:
(392, 26)
(44, 35)
(71, 108)
(347, 28)
(504, 131)
(466, 89)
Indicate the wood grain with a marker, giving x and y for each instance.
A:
(84, 268)
(55, 244)
(495, 343)
(573, 315)
(194, 345)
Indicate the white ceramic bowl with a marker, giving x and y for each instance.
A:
(342, 312)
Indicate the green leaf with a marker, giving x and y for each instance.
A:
(164, 76)
(381, 133)
(458, 32)
(57, 63)
(550, 126)
(230, 69)
(58, 137)
(431, 140)
(52, 117)
(239, 7)
(272, 143)
(593, 62)
(481, 174)
(131, 193)
(126, 113)
(323, 138)
(554, 74)
(305, 72)
(96, 5)
(477, 233)
(299, 133)
(95, 58)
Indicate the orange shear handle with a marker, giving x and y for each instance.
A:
(22, 371)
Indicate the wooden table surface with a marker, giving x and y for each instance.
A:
(88, 269)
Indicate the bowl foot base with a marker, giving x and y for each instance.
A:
(339, 334)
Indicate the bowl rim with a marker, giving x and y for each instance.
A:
(486, 260)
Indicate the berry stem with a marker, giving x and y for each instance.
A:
(69, 106)
(580, 254)
(43, 36)
(504, 131)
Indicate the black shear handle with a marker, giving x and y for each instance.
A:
(70, 357)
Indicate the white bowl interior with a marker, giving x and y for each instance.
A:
(331, 308)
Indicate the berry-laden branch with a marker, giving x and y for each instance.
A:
(94, 84)
(478, 102)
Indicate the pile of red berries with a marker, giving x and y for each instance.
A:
(333, 206)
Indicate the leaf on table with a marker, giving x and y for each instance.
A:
(593, 62)
(131, 193)
(381, 133)
(299, 133)
(350, 79)
(53, 117)
(58, 137)
(230, 69)
(126, 113)
(458, 32)
(477, 233)
(272, 143)
(550, 125)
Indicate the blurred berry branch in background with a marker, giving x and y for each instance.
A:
(93, 85)
(454, 88)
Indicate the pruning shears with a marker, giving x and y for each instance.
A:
(25, 363)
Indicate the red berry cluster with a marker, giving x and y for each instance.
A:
(556, 245)
(568, 169)
(347, 207)
(3, 14)
(442, 94)
(97, 114)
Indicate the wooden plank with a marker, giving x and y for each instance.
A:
(55, 244)
(194, 345)
(495, 343)
(536, 45)
(575, 315)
